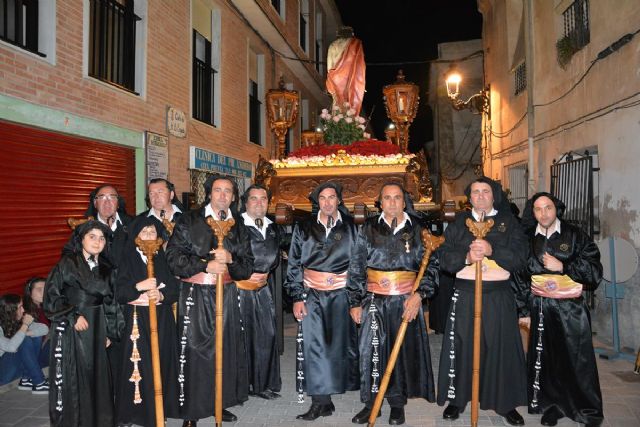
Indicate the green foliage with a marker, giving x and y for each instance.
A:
(566, 47)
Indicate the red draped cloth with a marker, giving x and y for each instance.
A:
(345, 81)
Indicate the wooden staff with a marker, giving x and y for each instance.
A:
(220, 229)
(150, 248)
(168, 225)
(430, 243)
(479, 230)
(73, 223)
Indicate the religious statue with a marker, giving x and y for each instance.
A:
(346, 70)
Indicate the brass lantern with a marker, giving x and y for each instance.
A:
(401, 101)
(282, 112)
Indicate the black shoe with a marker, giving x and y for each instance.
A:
(396, 416)
(514, 418)
(190, 423)
(549, 418)
(228, 417)
(267, 394)
(451, 413)
(362, 417)
(316, 411)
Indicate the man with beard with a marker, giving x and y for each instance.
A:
(382, 273)
(502, 252)
(256, 301)
(192, 256)
(316, 281)
(563, 262)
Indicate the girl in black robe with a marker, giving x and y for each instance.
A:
(562, 370)
(80, 301)
(134, 290)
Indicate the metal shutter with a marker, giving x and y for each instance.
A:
(45, 178)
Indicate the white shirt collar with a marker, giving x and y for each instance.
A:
(555, 228)
(328, 230)
(400, 226)
(208, 211)
(142, 255)
(92, 263)
(152, 212)
(476, 215)
(115, 223)
(250, 222)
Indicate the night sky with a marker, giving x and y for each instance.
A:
(406, 31)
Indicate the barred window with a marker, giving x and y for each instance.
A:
(520, 78)
(19, 24)
(112, 42)
(203, 80)
(576, 23)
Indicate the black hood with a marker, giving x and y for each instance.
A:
(315, 196)
(80, 231)
(500, 199)
(408, 201)
(529, 221)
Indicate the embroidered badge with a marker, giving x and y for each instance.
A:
(564, 247)
(551, 285)
(337, 236)
(385, 282)
(502, 228)
(329, 280)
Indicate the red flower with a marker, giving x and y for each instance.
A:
(371, 147)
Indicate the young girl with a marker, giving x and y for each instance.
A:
(20, 344)
(33, 297)
(135, 399)
(80, 301)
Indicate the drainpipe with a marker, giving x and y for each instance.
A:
(528, 39)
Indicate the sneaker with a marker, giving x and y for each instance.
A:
(25, 384)
(42, 388)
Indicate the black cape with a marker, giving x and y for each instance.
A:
(330, 337)
(379, 248)
(81, 389)
(502, 362)
(187, 255)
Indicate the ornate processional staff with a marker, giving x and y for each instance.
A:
(150, 248)
(479, 230)
(430, 243)
(220, 229)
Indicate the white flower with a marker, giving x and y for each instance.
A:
(366, 135)
(360, 119)
(336, 108)
(361, 127)
(348, 120)
(336, 119)
(325, 111)
(347, 105)
(340, 116)
(351, 112)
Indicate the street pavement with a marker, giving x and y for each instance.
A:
(620, 390)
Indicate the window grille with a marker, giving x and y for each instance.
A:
(203, 80)
(254, 113)
(112, 42)
(19, 24)
(520, 78)
(576, 23)
(303, 32)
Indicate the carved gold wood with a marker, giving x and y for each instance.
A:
(73, 222)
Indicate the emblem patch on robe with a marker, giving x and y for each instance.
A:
(337, 236)
(564, 247)
(502, 228)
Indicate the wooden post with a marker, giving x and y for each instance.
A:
(220, 229)
(430, 243)
(479, 230)
(150, 248)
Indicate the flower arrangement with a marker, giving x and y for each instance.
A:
(342, 126)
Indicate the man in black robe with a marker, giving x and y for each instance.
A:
(562, 371)
(163, 205)
(256, 301)
(382, 273)
(192, 256)
(502, 252)
(327, 354)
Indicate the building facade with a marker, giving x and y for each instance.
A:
(118, 91)
(565, 102)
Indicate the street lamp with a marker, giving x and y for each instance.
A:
(477, 104)
(401, 102)
(282, 112)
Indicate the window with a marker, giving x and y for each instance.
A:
(304, 25)
(112, 42)
(254, 113)
(319, 44)
(518, 181)
(19, 24)
(576, 23)
(203, 80)
(279, 6)
(520, 78)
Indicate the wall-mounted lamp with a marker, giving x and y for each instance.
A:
(477, 104)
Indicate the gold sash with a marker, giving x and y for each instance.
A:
(253, 283)
(390, 282)
(491, 272)
(557, 286)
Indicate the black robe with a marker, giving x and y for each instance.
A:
(379, 248)
(81, 391)
(561, 330)
(502, 362)
(258, 313)
(330, 337)
(187, 255)
(131, 271)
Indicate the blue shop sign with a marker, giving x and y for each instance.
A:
(214, 162)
